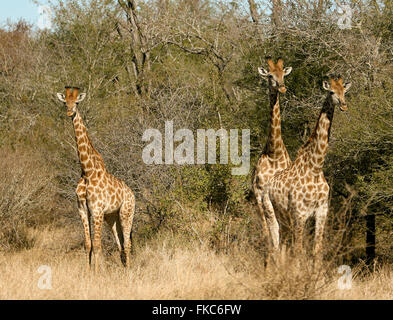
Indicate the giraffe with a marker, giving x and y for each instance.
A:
(100, 195)
(274, 156)
(301, 190)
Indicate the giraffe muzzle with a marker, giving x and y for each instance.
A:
(71, 112)
(343, 107)
(282, 89)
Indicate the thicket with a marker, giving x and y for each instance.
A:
(195, 62)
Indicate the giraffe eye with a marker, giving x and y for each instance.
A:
(332, 92)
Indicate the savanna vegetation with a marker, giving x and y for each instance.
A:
(193, 62)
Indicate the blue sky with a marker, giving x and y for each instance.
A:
(16, 9)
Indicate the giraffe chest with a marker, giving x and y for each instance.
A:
(267, 167)
(304, 193)
(104, 195)
(308, 193)
(279, 191)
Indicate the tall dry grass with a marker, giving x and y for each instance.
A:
(164, 269)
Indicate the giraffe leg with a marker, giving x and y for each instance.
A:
(126, 214)
(271, 221)
(114, 223)
(265, 230)
(84, 214)
(98, 217)
(320, 218)
(300, 222)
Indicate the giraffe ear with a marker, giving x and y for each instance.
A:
(61, 97)
(326, 85)
(81, 97)
(263, 72)
(347, 86)
(287, 71)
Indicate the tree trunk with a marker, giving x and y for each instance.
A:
(141, 55)
(277, 13)
(370, 238)
(253, 11)
(318, 11)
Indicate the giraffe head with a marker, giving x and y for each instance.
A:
(337, 90)
(276, 74)
(71, 99)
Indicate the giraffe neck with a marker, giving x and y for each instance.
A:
(89, 158)
(274, 145)
(319, 140)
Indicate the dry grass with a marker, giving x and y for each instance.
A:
(163, 269)
(155, 274)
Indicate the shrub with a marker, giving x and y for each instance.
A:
(26, 189)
